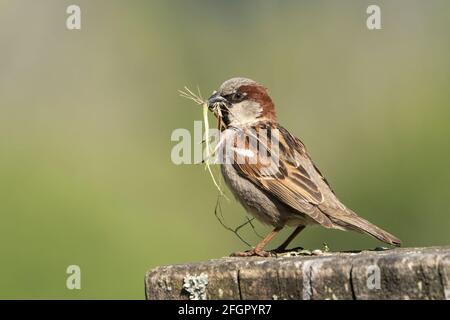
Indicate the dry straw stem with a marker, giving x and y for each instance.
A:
(198, 99)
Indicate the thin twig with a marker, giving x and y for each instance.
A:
(250, 222)
(235, 231)
(218, 210)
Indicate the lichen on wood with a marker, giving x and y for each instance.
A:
(403, 273)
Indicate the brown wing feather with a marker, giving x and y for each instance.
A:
(283, 173)
(291, 177)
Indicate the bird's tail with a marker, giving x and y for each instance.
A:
(359, 224)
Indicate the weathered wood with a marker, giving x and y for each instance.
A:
(407, 273)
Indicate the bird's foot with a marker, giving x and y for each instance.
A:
(253, 253)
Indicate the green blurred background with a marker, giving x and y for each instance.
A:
(86, 118)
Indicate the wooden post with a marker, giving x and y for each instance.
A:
(407, 273)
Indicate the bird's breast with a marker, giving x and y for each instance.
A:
(254, 200)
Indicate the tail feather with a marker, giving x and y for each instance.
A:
(359, 224)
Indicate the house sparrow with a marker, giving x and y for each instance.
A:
(289, 189)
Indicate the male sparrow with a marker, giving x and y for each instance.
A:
(286, 190)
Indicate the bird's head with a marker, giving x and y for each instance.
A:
(241, 101)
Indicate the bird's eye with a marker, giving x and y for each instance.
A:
(238, 96)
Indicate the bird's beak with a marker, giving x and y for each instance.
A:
(216, 99)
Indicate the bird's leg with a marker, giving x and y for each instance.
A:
(258, 250)
(284, 245)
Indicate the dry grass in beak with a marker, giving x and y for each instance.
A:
(198, 99)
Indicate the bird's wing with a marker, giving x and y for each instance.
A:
(278, 163)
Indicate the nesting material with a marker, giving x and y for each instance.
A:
(198, 99)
